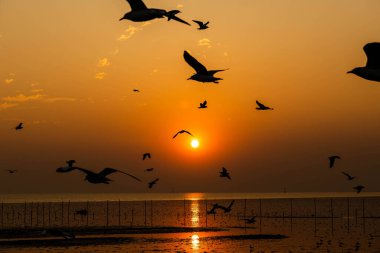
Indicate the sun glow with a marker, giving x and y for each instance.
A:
(194, 143)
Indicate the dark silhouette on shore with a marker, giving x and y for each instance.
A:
(372, 69)
(19, 126)
(140, 13)
(182, 132)
(146, 155)
(349, 177)
(332, 160)
(224, 173)
(202, 74)
(359, 188)
(202, 26)
(100, 177)
(152, 183)
(203, 105)
(262, 107)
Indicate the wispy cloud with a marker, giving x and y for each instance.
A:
(103, 63)
(37, 90)
(100, 75)
(59, 99)
(20, 98)
(128, 33)
(179, 6)
(204, 42)
(6, 105)
(9, 80)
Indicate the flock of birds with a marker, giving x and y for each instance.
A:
(141, 13)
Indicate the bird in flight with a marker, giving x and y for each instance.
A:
(349, 177)
(213, 209)
(140, 13)
(202, 26)
(262, 107)
(149, 170)
(136, 90)
(250, 220)
(19, 126)
(152, 183)
(100, 177)
(224, 173)
(202, 74)
(332, 160)
(182, 132)
(372, 69)
(358, 188)
(146, 155)
(203, 105)
(228, 208)
(11, 171)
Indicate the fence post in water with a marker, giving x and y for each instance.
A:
(348, 215)
(37, 207)
(260, 214)
(43, 214)
(145, 213)
(151, 213)
(49, 214)
(31, 214)
(119, 213)
(206, 211)
(291, 215)
(332, 216)
(62, 214)
(107, 213)
(363, 206)
(68, 214)
(25, 214)
(2, 214)
(315, 216)
(184, 212)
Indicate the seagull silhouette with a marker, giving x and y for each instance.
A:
(359, 188)
(141, 13)
(11, 171)
(100, 177)
(182, 132)
(202, 26)
(372, 69)
(152, 183)
(262, 107)
(19, 126)
(136, 90)
(349, 177)
(228, 208)
(224, 173)
(332, 160)
(213, 209)
(250, 220)
(202, 74)
(146, 155)
(203, 105)
(149, 170)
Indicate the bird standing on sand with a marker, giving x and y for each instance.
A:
(141, 13)
(349, 177)
(203, 105)
(202, 74)
(224, 173)
(359, 188)
(332, 160)
(262, 107)
(100, 177)
(182, 132)
(19, 126)
(372, 69)
(152, 183)
(202, 26)
(146, 155)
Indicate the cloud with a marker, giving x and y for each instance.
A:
(37, 90)
(204, 42)
(179, 6)
(128, 33)
(59, 99)
(6, 105)
(22, 98)
(34, 84)
(103, 63)
(9, 80)
(100, 75)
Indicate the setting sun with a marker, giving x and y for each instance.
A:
(194, 143)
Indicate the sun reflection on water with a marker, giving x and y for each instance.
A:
(194, 213)
(195, 242)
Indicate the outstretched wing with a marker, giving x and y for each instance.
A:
(200, 23)
(175, 135)
(187, 132)
(372, 50)
(137, 5)
(232, 202)
(346, 174)
(260, 104)
(197, 66)
(179, 19)
(108, 171)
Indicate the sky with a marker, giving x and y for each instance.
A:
(68, 68)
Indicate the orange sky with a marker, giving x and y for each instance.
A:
(68, 68)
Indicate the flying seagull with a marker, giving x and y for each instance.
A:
(136, 90)
(11, 171)
(224, 173)
(349, 177)
(146, 155)
(228, 208)
(202, 26)
(332, 160)
(100, 177)
(372, 69)
(202, 74)
(19, 126)
(262, 107)
(250, 220)
(203, 105)
(182, 132)
(150, 184)
(359, 188)
(149, 170)
(213, 209)
(141, 13)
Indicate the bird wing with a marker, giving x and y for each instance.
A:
(187, 132)
(176, 135)
(174, 17)
(200, 23)
(196, 65)
(346, 174)
(232, 202)
(332, 160)
(107, 171)
(372, 50)
(205, 103)
(224, 170)
(137, 5)
(212, 72)
(88, 172)
(259, 104)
